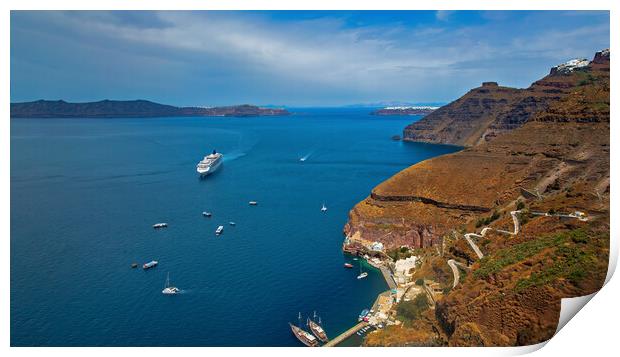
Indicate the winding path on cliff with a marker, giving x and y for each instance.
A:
(517, 228)
(468, 237)
(455, 271)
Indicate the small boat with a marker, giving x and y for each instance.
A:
(252, 203)
(355, 259)
(134, 265)
(169, 290)
(232, 223)
(323, 208)
(219, 230)
(362, 315)
(348, 265)
(317, 330)
(302, 159)
(206, 214)
(149, 265)
(363, 274)
(160, 225)
(303, 336)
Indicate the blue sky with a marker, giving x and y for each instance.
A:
(292, 58)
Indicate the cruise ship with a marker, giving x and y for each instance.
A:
(210, 163)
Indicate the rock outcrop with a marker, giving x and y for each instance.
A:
(490, 110)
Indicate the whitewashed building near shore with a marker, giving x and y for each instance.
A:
(402, 270)
(377, 247)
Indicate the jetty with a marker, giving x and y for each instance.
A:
(348, 333)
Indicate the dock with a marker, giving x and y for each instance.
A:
(387, 275)
(348, 333)
(343, 336)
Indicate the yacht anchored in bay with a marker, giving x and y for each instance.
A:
(210, 163)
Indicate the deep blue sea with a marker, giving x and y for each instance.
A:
(86, 192)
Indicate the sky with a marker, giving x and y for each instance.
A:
(290, 58)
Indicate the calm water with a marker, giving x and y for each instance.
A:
(85, 192)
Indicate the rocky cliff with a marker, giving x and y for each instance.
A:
(403, 110)
(490, 110)
(545, 148)
(128, 109)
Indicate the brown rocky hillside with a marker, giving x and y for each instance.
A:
(547, 147)
(489, 110)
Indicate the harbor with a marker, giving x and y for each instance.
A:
(287, 216)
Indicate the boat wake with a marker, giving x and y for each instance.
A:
(304, 158)
(233, 156)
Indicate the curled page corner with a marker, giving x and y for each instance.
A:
(570, 307)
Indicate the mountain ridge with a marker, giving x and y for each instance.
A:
(139, 108)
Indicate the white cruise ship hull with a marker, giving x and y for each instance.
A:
(209, 169)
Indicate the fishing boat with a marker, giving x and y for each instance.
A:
(362, 315)
(219, 230)
(323, 208)
(363, 274)
(169, 290)
(160, 225)
(304, 337)
(317, 330)
(149, 265)
(348, 265)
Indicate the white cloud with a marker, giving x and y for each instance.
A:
(325, 55)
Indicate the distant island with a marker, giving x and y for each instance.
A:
(405, 110)
(131, 109)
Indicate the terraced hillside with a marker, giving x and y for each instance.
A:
(551, 156)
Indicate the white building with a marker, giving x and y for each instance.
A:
(402, 269)
(377, 247)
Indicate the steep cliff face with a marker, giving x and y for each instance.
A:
(490, 110)
(463, 121)
(556, 159)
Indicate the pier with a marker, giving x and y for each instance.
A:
(387, 274)
(348, 333)
(343, 336)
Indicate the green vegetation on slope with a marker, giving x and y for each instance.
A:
(412, 310)
(572, 253)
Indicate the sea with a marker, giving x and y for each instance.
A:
(86, 192)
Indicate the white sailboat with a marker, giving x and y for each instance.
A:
(169, 290)
(323, 208)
